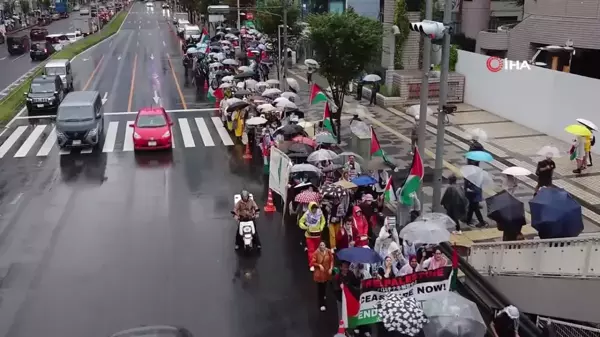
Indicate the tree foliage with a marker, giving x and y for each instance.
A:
(343, 45)
(25, 7)
(269, 16)
(45, 4)
(403, 24)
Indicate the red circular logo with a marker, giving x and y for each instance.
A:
(494, 64)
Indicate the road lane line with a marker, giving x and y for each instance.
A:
(128, 142)
(13, 60)
(222, 132)
(186, 133)
(89, 81)
(48, 144)
(204, 133)
(131, 90)
(177, 86)
(30, 141)
(11, 140)
(111, 137)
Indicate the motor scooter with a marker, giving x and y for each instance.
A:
(246, 227)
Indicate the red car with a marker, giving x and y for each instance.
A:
(152, 130)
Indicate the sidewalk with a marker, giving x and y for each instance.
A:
(393, 130)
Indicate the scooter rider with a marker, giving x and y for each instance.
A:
(246, 210)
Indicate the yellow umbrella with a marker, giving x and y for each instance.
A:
(345, 184)
(578, 130)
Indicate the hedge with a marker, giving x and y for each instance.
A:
(15, 100)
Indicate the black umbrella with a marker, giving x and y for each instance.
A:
(300, 148)
(245, 74)
(215, 44)
(237, 106)
(293, 111)
(241, 93)
(333, 191)
(222, 73)
(506, 210)
(289, 130)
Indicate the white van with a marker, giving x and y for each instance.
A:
(192, 32)
(181, 23)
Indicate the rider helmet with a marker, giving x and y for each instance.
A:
(245, 195)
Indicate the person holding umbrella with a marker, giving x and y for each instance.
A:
(454, 202)
(474, 195)
(322, 266)
(506, 322)
(312, 222)
(475, 146)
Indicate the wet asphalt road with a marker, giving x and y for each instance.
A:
(93, 243)
(13, 67)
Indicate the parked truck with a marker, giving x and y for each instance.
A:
(60, 6)
(85, 25)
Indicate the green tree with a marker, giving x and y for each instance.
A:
(269, 15)
(343, 45)
(9, 7)
(45, 4)
(25, 7)
(403, 24)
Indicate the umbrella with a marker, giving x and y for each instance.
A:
(371, 78)
(289, 95)
(549, 151)
(250, 84)
(230, 62)
(192, 50)
(241, 85)
(401, 314)
(265, 108)
(415, 111)
(299, 148)
(450, 314)
(215, 64)
(256, 121)
(332, 168)
(225, 85)
(281, 100)
(230, 101)
(305, 140)
(321, 155)
(358, 255)
(334, 191)
(293, 84)
(289, 130)
(441, 219)
(345, 184)
(345, 154)
(478, 134)
(516, 171)
(241, 93)
(578, 130)
(555, 214)
(479, 156)
(271, 91)
(325, 138)
(244, 69)
(305, 168)
(364, 180)
(225, 42)
(376, 164)
(307, 196)
(273, 82)
(587, 124)
(246, 74)
(311, 63)
(286, 104)
(227, 79)
(476, 175)
(237, 106)
(425, 232)
(506, 210)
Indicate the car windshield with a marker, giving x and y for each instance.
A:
(53, 71)
(151, 121)
(53, 40)
(44, 87)
(75, 114)
(192, 32)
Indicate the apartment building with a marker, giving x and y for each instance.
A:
(484, 15)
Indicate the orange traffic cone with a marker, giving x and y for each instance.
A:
(341, 330)
(269, 207)
(247, 154)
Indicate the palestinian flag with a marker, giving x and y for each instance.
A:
(215, 95)
(327, 121)
(414, 179)
(350, 306)
(454, 275)
(205, 38)
(389, 194)
(317, 95)
(376, 150)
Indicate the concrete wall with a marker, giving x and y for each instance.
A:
(541, 99)
(368, 8)
(411, 48)
(475, 17)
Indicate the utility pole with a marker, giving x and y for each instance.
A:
(285, 43)
(441, 126)
(422, 131)
(239, 21)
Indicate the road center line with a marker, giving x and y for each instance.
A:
(177, 86)
(89, 81)
(131, 90)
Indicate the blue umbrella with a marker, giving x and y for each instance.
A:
(364, 180)
(479, 156)
(555, 214)
(359, 255)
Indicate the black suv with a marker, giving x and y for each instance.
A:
(45, 93)
(17, 44)
(41, 50)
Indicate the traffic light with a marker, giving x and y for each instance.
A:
(431, 29)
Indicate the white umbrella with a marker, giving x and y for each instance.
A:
(289, 95)
(476, 175)
(286, 104)
(230, 62)
(424, 232)
(293, 84)
(478, 134)
(450, 314)
(441, 219)
(265, 108)
(225, 42)
(230, 101)
(272, 91)
(516, 171)
(305, 168)
(216, 64)
(281, 99)
(241, 85)
(305, 124)
(321, 155)
(225, 85)
(256, 121)
(244, 69)
(250, 84)
(549, 151)
(587, 124)
(227, 79)
(348, 154)
(262, 84)
(273, 82)
(415, 111)
(311, 63)
(372, 78)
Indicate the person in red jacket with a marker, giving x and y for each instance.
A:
(346, 235)
(362, 225)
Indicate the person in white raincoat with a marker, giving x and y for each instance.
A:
(387, 235)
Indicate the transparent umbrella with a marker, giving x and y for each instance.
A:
(293, 84)
(476, 175)
(321, 155)
(549, 151)
(451, 315)
(415, 111)
(440, 219)
(425, 232)
(360, 129)
(478, 134)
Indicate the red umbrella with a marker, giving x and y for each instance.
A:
(307, 196)
(305, 140)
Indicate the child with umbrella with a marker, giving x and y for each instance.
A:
(312, 222)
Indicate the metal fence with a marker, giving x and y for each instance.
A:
(566, 329)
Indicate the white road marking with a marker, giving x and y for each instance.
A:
(48, 144)
(11, 140)
(164, 45)
(111, 137)
(105, 98)
(13, 60)
(128, 143)
(222, 131)
(30, 141)
(186, 133)
(204, 133)
(4, 58)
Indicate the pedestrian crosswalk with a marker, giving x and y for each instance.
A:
(40, 140)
